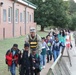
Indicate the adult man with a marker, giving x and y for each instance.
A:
(34, 40)
(12, 58)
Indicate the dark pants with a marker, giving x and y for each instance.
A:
(24, 71)
(63, 48)
(35, 72)
(49, 55)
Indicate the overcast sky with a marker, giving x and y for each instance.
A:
(66, 0)
(75, 0)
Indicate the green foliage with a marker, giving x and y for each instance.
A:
(58, 13)
(73, 22)
(71, 15)
(72, 6)
(50, 12)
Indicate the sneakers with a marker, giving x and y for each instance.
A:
(43, 67)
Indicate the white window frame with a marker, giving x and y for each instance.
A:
(23, 16)
(4, 15)
(32, 17)
(16, 15)
(10, 15)
(27, 18)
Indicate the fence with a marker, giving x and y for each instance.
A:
(59, 67)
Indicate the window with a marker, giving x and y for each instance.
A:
(23, 16)
(10, 14)
(20, 17)
(27, 17)
(4, 15)
(17, 15)
(30, 18)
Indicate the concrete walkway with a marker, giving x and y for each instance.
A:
(73, 59)
(47, 67)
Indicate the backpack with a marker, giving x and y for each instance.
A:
(5, 56)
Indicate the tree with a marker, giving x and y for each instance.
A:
(71, 15)
(73, 22)
(72, 6)
(50, 12)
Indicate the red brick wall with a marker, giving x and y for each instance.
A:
(6, 25)
(20, 25)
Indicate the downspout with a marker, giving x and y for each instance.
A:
(0, 11)
(25, 18)
(0, 14)
(14, 17)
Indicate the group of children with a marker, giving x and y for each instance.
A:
(32, 63)
(53, 44)
(29, 63)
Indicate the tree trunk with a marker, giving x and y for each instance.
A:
(42, 28)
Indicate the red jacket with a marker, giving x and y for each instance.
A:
(9, 57)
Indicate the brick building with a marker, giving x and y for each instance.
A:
(16, 17)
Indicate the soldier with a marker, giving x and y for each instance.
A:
(34, 40)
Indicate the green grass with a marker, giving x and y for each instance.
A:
(7, 44)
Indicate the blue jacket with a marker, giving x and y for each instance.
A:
(56, 45)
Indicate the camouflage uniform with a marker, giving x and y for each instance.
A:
(36, 40)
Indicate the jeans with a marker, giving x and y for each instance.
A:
(49, 53)
(55, 54)
(13, 69)
(43, 60)
(41, 63)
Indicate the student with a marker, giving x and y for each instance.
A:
(49, 51)
(43, 53)
(56, 47)
(35, 63)
(12, 59)
(62, 39)
(25, 63)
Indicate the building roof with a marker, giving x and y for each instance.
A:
(27, 3)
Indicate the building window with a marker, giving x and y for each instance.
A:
(23, 16)
(4, 15)
(30, 18)
(10, 14)
(27, 17)
(17, 16)
(20, 17)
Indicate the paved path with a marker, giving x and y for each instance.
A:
(44, 71)
(73, 59)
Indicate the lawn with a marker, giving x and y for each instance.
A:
(7, 44)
